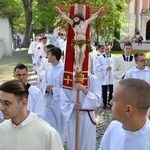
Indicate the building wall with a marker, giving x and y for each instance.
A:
(138, 15)
(5, 38)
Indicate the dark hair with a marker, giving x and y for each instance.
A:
(44, 37)
(20, 66)
(79, 15)
(127, 44)
(99, 46)
(56, 52)
(50, 46)
(15, 87)
(137, 55)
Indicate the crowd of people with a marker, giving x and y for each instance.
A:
(37, 117)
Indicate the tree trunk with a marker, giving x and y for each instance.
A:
(116, 42)
(28, 19)
(26, 40)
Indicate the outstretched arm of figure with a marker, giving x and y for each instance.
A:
(94, 16)
(63, 15)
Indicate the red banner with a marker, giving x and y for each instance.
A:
(69, 57)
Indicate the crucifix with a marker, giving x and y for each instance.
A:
(78, 36)
(80, 4)
(70, 55)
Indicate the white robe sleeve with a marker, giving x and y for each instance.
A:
(105, 142)
(66, 104)
(118, 74)
(55, 142)
(93, 98)
(99, 67)
(90, 101)
(35, 101)
(128, 75)
(30, 50)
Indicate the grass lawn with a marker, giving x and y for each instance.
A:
(7, 64)
(133, 52)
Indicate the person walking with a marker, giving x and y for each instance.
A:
(22, 129)
(130, 129)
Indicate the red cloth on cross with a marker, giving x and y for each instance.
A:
(69, 57)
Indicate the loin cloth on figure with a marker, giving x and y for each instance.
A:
(81, 42)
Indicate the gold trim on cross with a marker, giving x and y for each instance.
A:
(83, 78)
(68, 79)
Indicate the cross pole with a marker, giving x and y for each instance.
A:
(79, 76)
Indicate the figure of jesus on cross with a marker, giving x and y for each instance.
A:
(79, 43)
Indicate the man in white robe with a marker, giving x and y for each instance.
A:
(140, 71)
(52, 83)
(122, 64)
(131, 128)
(22, 129)
(62, 46)
(35, 99)
(39, 54)
(104, 69)
(99, 52)
(91, 56)
(44, 63)
(32, 49)
(89, 101)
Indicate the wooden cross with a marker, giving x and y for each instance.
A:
(79, 76)
(80, 3)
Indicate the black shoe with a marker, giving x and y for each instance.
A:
(104, 107)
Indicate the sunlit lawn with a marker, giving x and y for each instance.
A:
(7, 64)
(135, 51)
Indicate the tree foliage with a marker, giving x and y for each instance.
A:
(33, 15)
(11, 10)
(110, 25)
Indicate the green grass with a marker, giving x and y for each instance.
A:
(133, 52)
(7, 64)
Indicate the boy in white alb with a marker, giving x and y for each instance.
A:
(140, 70)
(131, 130)
(35, 99)
(122, 64)
(99, 52)
(52, 83)
(89, 101)
(103, 68)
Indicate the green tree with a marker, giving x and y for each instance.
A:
(119, 22)
(22, 14)
(11, 10)
(39, 15)
(110, 25)
(44, 16)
